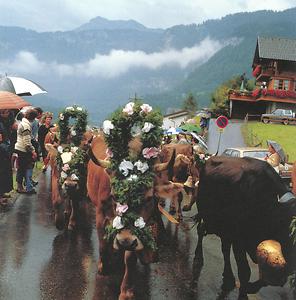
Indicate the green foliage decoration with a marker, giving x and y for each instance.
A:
(75, 132)
(71, 159)
(132, 172)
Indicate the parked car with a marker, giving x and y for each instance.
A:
(254, 152)
(279, 115)
(285, 171)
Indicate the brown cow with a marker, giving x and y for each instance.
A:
(184, 169)
(65, 198)
(99, 191)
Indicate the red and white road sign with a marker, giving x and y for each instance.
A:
(222, 122)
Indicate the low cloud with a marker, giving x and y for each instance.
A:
(116, 63)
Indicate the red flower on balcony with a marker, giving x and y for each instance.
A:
(279, 93)
(256, 93)
(256, 71)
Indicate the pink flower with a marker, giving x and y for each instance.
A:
(150, 152)
(146, 108)
(109, 153)
(66, 167)
(129, 108)
(121, 209)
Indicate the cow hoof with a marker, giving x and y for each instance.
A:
(186, 208)
(228, 284)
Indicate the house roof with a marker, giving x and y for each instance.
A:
(177, 114)
(277, 48)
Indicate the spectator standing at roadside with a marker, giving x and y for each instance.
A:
(6, 122)
(26, 152)
(35, 127)
(42, 132)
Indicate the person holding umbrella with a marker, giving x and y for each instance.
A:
(276, 154)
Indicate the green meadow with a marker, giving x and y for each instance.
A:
(256, 134)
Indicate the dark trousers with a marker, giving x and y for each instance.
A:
(25, 169)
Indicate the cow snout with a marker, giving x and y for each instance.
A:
(125, 240)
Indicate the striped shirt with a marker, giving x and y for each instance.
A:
(24, 132)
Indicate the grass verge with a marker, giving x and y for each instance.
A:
(256, 134)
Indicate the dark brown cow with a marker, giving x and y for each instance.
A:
(184, 168)
(245, 203)
(99, 191)
(65, 198)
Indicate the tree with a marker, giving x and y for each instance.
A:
(220, 95)
(190, 104)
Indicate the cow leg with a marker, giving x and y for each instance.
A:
(104, 251)
(59, 219)
(198, 258)
(74, 213)
(244, 271)
(179, 204)
(126, 288)
(228, 277)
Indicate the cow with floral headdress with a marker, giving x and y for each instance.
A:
(124, 182)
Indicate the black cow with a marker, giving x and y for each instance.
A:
(244, 202)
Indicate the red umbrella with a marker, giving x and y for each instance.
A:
(11, 101)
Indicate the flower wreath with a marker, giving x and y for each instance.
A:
(133, 173)
(77, 130)
(71, 159)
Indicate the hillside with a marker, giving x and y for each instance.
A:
(103, 63)
(234, 59)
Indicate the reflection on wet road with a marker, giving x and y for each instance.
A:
(39, 262)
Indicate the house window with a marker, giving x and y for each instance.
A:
(280, 84)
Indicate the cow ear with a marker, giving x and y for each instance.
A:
(168, 190)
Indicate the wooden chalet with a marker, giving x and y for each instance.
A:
(274, 67)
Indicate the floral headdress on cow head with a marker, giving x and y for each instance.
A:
(71, 158)
(133, 172)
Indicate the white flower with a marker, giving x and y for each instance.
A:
(74, 149)
(132, 177)
(73, 132)
(70, 108)
(78, 108)
(140, 223)
(125, 166)
(66, 157)
(146, 108)
(62, 117)
(64, 175)
(117, 223)
(74, 177)
(147, 127)
(142, 167)
(107, 126)
(60, 149)
(129, 108)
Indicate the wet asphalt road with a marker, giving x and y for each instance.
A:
(39, 262)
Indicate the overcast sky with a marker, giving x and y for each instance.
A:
(52, 15)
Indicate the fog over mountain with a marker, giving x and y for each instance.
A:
(102, 63)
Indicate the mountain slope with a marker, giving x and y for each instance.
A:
(233, 59)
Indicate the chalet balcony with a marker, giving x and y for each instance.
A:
(263, 95)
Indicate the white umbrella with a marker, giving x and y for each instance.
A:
(20, 86)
